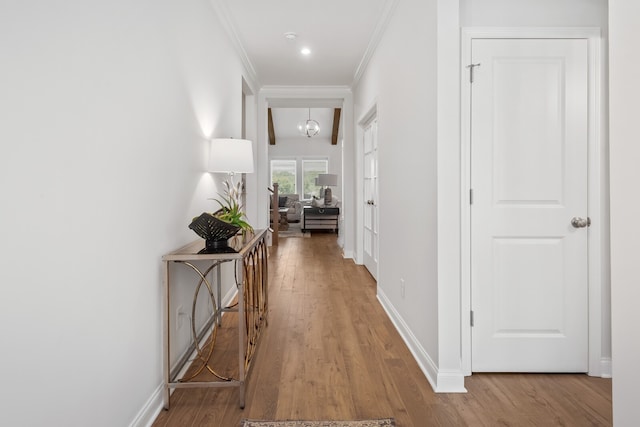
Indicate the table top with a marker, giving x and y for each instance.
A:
(322, 209)
(240, 245)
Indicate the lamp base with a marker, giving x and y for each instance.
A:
(327, 196)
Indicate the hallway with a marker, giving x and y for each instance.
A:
(330, 352)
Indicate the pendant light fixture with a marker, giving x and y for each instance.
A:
(310, 127)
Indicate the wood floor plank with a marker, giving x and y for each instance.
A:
(331, 352)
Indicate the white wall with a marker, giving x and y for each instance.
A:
(532, 13)
(398, 79)
(625, 208)
(105, 111)
(314, 148)
(401, 80)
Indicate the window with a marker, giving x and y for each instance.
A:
(298, 176)
(310, 171)
(284, 173)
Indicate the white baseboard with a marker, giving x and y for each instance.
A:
(606, 370)
(348, 255)
(450, 382)
(441, 382)
(149, 412)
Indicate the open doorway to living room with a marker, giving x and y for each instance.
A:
(305, 161)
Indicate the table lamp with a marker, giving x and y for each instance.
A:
(327, 180)
(231, 156)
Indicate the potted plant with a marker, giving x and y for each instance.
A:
(231, 208)
(216, 228)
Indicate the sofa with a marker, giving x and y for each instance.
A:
(291, 201)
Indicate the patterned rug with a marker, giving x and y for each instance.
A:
(295, 230)
(387, 422)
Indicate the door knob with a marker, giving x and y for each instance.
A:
(370, 202)
(578, 222)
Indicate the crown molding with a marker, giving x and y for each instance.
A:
(383, 23)
(229, 27)
(305, 88)
(283, 96)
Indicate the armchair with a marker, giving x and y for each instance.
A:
(292, 201)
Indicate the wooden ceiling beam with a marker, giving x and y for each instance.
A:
(272, 133)
(336, 126)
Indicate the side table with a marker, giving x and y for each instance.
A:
(320, 218)
(250, 256)
(284, 223)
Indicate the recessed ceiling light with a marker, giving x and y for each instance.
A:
(290, 35)
(305, 51)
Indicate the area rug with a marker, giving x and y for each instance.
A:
(386, 422)
(294, 230)
(294, 233)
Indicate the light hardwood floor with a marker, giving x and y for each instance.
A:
(330, 352)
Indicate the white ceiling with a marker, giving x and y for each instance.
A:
(338, 32)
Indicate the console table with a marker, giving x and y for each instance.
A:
(320, 218)
(250, 257)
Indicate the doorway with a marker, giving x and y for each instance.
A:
(528, 139)
(314, 98)
(368, 141)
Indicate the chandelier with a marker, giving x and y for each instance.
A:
(310, 127)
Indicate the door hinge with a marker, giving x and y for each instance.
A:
(471, 196)
(471, 317)
(471, 67)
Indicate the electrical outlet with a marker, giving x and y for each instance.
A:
(180, 316)
(402, 288)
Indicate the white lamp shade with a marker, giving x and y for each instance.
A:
(231, 155)
(327, 179)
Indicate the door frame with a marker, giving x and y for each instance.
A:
(367, 119)
(598, 365)
(305, 96)
(370, 113)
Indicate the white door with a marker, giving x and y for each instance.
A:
(529, 179)
(370, 141)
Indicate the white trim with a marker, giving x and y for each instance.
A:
(348, 255)
(286, 96)
(595, 203)
(307, 93)
(370, 115)
(596, 142)
(448, 203)
(365, 119)
(605, 367)
(450, 382)
(465, 208)
(441, 382)
(381, 26)
(150, 411)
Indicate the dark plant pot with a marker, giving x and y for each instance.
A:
(214, 231)
(212, 245)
